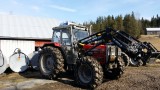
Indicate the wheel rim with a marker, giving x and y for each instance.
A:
(85, 73)
(48, 64)
(133, 61)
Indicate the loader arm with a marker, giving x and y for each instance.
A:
(134, 48)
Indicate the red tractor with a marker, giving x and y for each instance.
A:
(89, 63)
(92, 57)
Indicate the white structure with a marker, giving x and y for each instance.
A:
(8, 46)
(153, 31)
(3, 63)
(24, 32)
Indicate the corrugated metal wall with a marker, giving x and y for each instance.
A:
(8, 47)
(12, 26)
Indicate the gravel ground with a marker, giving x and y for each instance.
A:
(134, 78)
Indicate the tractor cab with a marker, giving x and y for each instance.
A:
(67, 33)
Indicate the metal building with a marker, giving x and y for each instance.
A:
(24, 32)
(153, 31)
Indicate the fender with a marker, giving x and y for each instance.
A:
(56, 44)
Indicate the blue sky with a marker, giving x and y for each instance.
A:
(80, 10)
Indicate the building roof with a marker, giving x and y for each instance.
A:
(153, 29)
(26, 27)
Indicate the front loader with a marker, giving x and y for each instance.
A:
(138, 52)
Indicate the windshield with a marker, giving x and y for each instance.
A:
(80, 34)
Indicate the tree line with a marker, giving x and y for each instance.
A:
(129, 23)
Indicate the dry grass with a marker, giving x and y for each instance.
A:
(154, 39)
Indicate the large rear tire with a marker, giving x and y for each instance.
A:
(51, 62)
(88, 72)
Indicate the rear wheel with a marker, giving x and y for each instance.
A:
(51, 62)
(88, 73)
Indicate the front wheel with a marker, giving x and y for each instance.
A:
(117, 72)
(88, 72)
(51, 62)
